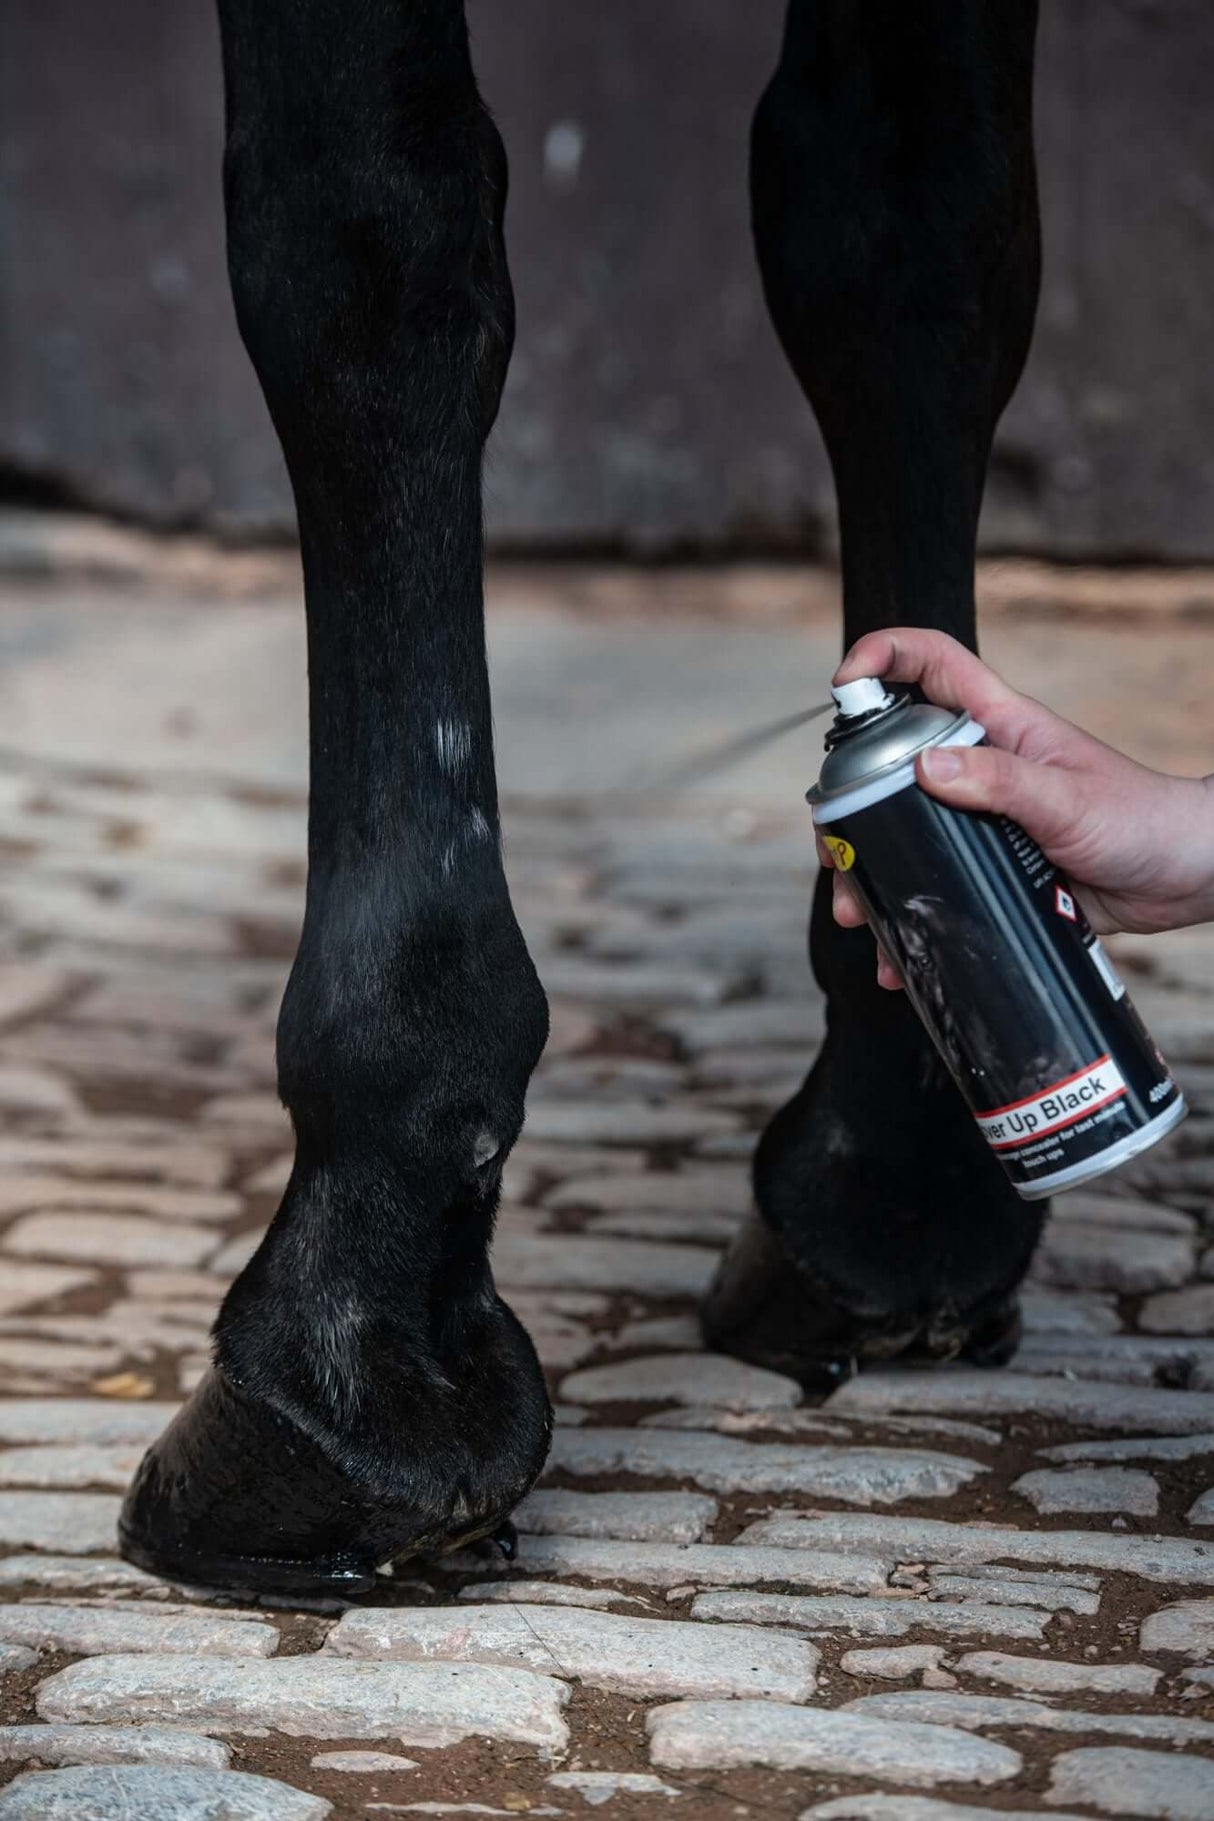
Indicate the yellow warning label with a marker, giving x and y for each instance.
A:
(843, 851)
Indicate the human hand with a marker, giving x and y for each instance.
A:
(1136, 844)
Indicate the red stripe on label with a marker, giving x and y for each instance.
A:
(1053, 1088)
(1052, 1109)
(1011, 1144)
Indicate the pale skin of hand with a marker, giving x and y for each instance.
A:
(1137, 845)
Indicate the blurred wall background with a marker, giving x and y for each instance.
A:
(648, 408)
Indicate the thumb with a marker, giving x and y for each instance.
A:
(1045, 800)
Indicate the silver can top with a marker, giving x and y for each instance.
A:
(876, 731)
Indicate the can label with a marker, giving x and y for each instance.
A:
(1041, 1115)
(1010, 980)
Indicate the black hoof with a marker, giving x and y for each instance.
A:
(234, 1496)
(238, 1495)
(994, 1342)
(763, 1308)
(760, 1309)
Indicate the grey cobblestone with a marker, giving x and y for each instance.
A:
(1201, 1511)
(1118, 1359)
(1121, 1781)
(1183, 1629)
(547, 1593)
(1187, 1311)
(76, 1522)
(77, 1574)
(720, 1189)
(717, 1735)
(860, 1475)
(93, 1631)
(589, 1122)
(897, 1663)
(123, 1239)
(316, 1697)
(1076, 1255)
(165, 1159)
(1152, 1558)
(111, 1745)
(963, 1392)
(566, 1261)
(1048, 1675)
(597, 1787)
(684, 1378)
(105, 1793)
(22, 1194)
(96, 1422)
(704, 1419)
(642, 1517)
(1134, 1448)
(632, 1656)
(25, 1284)
(946, 1708)
(26, 989)
(362, 1763)
(1111, 1209)
(49, 1466)
(1006, 1587)
(671, 1333)
(667, 1565)
(1046, 1311)
(874, 1617)
(659, 1224)
(1111, 1489)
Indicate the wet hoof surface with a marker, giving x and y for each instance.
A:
(236, 1496)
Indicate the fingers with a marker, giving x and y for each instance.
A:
(1046, 801)
(847, 912)
(845, 905)
(946, 671)
(887, 974)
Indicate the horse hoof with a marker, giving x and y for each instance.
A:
(236, 1496)
(763, 1307)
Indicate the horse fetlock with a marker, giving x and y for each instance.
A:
(419, 1055)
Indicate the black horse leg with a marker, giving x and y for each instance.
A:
(894, 205)
(370, 1394)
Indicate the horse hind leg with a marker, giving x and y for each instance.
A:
(895, 219)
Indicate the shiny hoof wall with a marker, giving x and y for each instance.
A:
(763, 1308)
(235, 1496)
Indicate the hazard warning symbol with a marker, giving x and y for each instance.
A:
(1064, 904)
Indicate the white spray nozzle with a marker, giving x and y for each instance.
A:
(862, 696)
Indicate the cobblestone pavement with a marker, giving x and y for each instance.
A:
(937, 1596)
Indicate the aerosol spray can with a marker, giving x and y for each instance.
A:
(995, 953)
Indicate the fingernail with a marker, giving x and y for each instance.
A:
(941, 763)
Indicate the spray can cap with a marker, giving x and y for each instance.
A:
(862, 696)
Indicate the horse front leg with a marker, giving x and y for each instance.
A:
(370, 1393)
